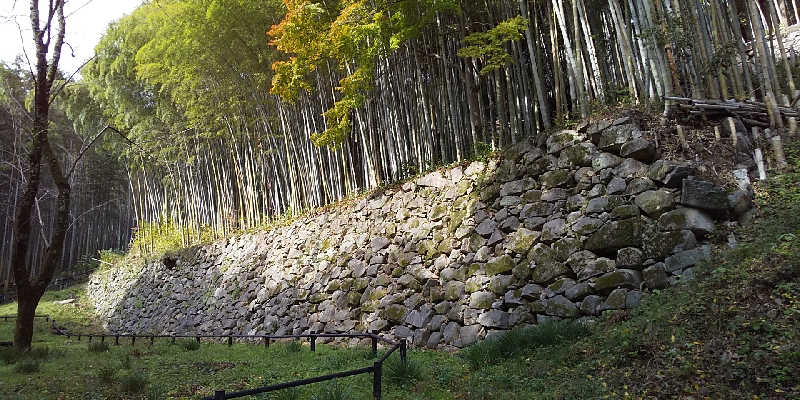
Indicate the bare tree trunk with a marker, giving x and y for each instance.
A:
(29, 292)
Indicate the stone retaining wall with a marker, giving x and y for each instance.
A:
(589, 223)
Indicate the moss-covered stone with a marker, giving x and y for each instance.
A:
(556, 178)
(473, 285)
(377, 293)
(532, 196)
(616, 235)
(499, 265)
(481, 300)
(523, 239)
(578, 155)
(438, 212)
(500, 283)
(565, 247)
(395, 313)
(619, 278)
(455, 220)
(353, 298)
(546, 265)
(398, 272)
(655, 202)
(625, 211)
(317, 298)
(333, 286)
(359, 284)
(454, 290)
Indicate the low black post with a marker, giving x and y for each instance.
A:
(198, 338)
(374, 346)
(266, 342)
(230, 340)
(152, 339)
(219, 395)
(90, 338)
(133, 340)
(79, 338)
(313, 340)
(102, 338)
(376, 380)
(403, 351)
(173, 339)
(116, 340)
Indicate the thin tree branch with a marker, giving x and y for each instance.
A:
(84, 149)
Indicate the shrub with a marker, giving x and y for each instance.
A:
(398, 372)
(498, 348)
(132, 382)
(98, 347)
(27, 366)
(106, 373)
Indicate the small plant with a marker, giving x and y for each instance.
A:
(39, 353)
(98, 347)
(332, 391)
(399, 371)
(106, 373)
(156, 392)
(294, 347)
(283, 394)
(189, 345)
(125, 363)
(27, 366)
(9, 355)
(132, 382)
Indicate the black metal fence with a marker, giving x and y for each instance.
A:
(376, 369)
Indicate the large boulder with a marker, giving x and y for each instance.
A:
(686, 218)
(704, 195)
(654, 202)
(616, 235)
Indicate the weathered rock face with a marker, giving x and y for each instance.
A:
(568, 231)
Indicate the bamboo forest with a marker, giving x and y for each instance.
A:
(233, 113)
(522, 199)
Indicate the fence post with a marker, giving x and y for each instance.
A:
(102, 338)
(230, 340)
(313, 340)
(266, 342)
(152, 339)
(376, 380)
(374, 346)
(173, 339)
(90, 338)
(403, 350)
(219, 395)
(133, 340)
(79, 337)
(198, 338)
(116, 340)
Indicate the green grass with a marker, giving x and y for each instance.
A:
(734, 332)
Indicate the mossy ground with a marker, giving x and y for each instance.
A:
(733, 332)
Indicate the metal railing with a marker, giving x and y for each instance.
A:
(376, 369)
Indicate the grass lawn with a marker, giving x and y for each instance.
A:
(732, 333)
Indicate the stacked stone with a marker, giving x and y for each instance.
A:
(587, 224)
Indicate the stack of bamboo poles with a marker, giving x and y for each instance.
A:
(776, 122)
